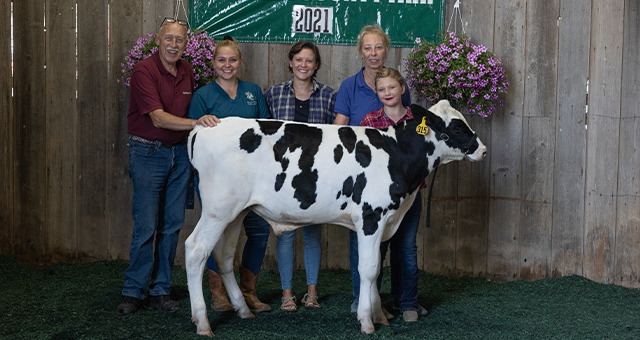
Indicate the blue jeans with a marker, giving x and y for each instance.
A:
(257, 230)
(159, 176)
(404, 259)
(312, 255)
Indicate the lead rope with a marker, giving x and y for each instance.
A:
(433, 180)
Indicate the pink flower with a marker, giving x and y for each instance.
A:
(199, 54)
(448, 69)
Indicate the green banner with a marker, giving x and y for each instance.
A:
(334, 22)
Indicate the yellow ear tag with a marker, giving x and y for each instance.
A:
(422, 129)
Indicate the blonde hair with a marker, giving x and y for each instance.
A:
(377, 30)
(227, 42)
(390, 72)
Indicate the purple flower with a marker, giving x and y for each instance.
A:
(448, 69)
(199, 53)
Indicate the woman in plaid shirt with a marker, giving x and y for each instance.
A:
(301, 99)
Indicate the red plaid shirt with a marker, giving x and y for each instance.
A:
(379, 120)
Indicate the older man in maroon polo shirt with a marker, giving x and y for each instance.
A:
(161, 89)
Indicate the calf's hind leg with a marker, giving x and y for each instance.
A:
(198, 246)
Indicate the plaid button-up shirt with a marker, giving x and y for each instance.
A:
(379, 120)
(282, 102)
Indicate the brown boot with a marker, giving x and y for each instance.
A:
(248, 288)
(219, 300)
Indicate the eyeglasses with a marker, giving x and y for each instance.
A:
(172, 20)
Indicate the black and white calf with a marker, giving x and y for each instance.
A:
(294, 174)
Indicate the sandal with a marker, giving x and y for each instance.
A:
(310, 301)
(287, 306)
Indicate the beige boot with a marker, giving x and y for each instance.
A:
(248, 288)
(219, 300)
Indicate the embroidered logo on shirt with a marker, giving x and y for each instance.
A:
(186, 92)
(251, 100)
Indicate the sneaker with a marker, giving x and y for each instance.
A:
(410, 316)
(421, 310)
(128, 306)
(164, 303)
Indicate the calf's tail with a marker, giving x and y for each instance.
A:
(192, 140)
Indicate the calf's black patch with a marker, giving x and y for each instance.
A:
(358, 187)
(370, 218)
(363, 154)
(306, 138)
(250, 141)
(408, 158)
(269, 127)
(337, 153)
(348, 138)
(280, 180)
(347, 186)
(193, 141)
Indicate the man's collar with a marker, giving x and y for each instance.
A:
(179, 69)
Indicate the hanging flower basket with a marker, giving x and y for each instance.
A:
(199, 54)
(468, 75)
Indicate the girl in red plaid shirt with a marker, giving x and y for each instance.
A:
(404, 251)
(390, 87)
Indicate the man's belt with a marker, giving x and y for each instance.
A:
(155, 142)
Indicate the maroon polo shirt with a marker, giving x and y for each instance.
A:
(153, 88)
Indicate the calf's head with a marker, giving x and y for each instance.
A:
(451, 127)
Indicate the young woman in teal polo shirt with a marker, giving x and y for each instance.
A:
(230, 96)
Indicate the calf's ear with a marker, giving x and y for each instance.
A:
(431, 119)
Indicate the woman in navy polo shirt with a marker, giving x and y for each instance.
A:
(229, 96)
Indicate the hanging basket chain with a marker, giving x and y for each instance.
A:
(456, 10)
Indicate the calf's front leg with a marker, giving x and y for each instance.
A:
(369, 268)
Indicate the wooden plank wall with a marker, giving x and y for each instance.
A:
(627, 266)
(570, 147)
(558, 194)
(6, 134)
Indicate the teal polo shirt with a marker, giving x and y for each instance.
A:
(211, 99)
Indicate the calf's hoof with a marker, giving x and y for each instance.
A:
(246, 315)
(208, 333)
(367, 330)
(383, 322)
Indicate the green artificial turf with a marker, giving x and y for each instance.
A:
(78, 301)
